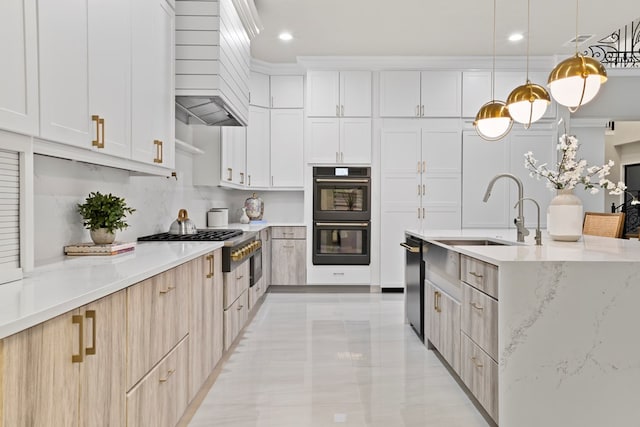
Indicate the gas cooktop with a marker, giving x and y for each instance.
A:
(200, 236)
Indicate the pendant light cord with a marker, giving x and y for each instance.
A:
(577, 2)
(528, 36)
(493, 72)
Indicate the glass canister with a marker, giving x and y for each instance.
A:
(254, 207)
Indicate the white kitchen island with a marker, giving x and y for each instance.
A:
(568, 351)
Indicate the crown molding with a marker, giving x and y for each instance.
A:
(249, 17)
(469, 63)
(270, 68)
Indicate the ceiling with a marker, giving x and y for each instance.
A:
(429, 28)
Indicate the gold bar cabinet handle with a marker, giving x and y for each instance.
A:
(157, 143)
(229, 174)
(476, 363)
(77, 319)
(210, 259)
(91, 314)
(476, 275)
(96, 142)
(166, 291)
(476, 306)
(169, 373)
(101, 123)
(412, 249)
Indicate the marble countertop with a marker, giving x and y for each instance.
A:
(587, 249)
(59, 287)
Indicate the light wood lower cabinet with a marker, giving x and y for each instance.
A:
(67, 371)
(480, 319)
(480, 374)
(265, 236)
(442, 315)
(157, 311)
(205, 318)
(235, 283)
(288, 256)
(234, 318)
(479, 274)
(161, 397)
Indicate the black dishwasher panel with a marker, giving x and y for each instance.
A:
(414, 284)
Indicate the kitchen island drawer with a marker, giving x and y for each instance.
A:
(480, 319)
(480, 374)
(288, 232)
(480, 275)
(162, 396)
(235, 283)
(156, 319)
(234, 318)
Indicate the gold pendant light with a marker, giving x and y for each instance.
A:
(528, 103)
(576, 80)
(493, 121)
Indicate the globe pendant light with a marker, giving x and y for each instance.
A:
(528, 103)
(493, 121)
(576, 80)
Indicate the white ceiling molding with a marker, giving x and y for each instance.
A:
(536, 63)
(249, 16)
(276, 68)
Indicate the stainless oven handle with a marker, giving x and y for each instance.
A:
(361, 180)
(412, 249)
(342, 224)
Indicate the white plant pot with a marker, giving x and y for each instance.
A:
(102, 237)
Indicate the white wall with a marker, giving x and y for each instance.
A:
(61, 184)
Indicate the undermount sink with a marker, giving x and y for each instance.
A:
(472, 242)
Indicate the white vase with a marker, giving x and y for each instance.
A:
(244, 218)
(102, 237)
(565, 216)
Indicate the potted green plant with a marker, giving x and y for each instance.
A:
(102, 214)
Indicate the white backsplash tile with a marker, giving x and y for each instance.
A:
(59, 185)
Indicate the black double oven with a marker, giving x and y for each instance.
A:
(341, 215)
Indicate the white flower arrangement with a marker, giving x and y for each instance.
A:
(571, 172)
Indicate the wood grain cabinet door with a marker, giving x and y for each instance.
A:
(39, 381)
(102, 373)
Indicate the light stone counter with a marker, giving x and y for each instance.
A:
(568, 316)
(59, 287)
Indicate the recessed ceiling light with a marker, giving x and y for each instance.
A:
(516, 37)
(285, 36)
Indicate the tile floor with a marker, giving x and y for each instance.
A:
(334, 360)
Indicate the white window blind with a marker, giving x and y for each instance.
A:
(9, 216)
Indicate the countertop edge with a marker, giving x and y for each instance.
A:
(20, 324)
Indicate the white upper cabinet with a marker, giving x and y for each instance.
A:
(339, 94)
(441, 93)
(233, 156)
(344, 140)
(64, 86)
(287, 91)
(259, 90)
(476, 91)
(19, 53)
(153, 135)
(399, 94)
(258, 147)
(287, 153)
(110, 74)
(420, 93)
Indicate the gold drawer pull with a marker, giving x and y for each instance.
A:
(91, 314)
(169, 373)
(78, 319)
(476, 275)
(476, 306)
(210, 274)
(238, 278)
(240, 307)
(475, 362)
(166, 291)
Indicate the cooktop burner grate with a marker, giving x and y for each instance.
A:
(200, 236)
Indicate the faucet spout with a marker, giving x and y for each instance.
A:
(538, 232)
(519, 221)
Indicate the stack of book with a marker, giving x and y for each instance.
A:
(93, 249)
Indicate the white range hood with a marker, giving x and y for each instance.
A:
(212, 61)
